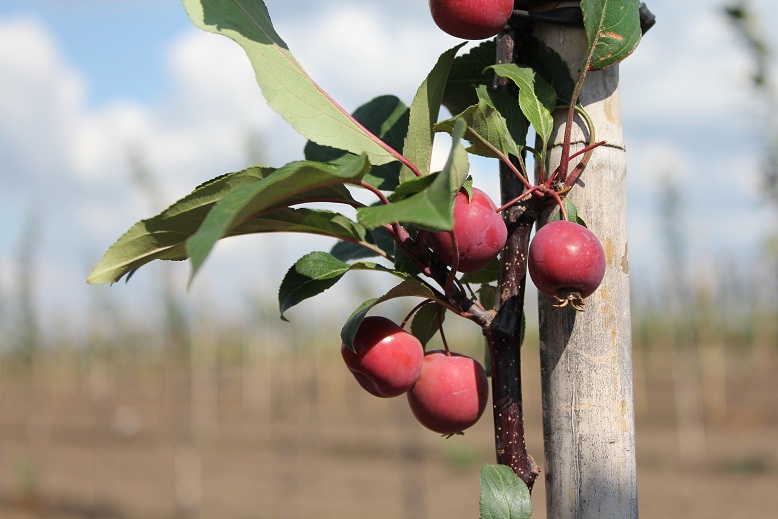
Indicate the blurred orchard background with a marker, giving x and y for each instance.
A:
(148, 400)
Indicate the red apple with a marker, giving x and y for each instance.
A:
(451, 393)
(566, 261)
(471, 19)
(386, 360)
(479, 229)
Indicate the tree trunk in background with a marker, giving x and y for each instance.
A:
(586, 358)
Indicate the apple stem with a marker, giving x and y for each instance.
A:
(443, 335)
(526, 194)
(449, 288)
(558, 200)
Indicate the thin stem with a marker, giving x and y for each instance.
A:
(519, 198)
(414, 310)
(449, 287)
(579, 168)
(509, 163)
(443, 335)
(564, 160)
(560, 204)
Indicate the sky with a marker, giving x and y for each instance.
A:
(93, 91)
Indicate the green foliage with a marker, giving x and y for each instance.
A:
(537, 98)
(427, 321)
(164, 236)
(612, 30)
(570, 209)
(408, 288)
(429, 208)
(487, 129)
(316, 272)
(360, 151)
(424, 114)
(286, 186)
(503, 494)
(387, 118)
(467, 73)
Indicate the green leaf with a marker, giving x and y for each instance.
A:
(485, 275)
(549, 64)
(274, 191)
(402, 261)
(311, 221)
(570, 209)
(424, 114)
(385, 116)
(380, 243)
(288, 89)
(487, 294)
(516, 122)
(431, 208)
(408, 288)
(537, 98)
(313, 274)
(612, 30)
(467, 73)
(164, 235)
(426, 322)
(503, 494)
(487, 129)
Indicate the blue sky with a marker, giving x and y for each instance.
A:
(85, 84)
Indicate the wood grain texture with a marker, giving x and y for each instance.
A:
(586, 357)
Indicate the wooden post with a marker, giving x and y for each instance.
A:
(586, 358)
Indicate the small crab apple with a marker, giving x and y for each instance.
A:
(479, 230)
(471, 19)
(451, 393)
(566, 261)
(386, 360)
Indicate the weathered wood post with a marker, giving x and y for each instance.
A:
(586, 357)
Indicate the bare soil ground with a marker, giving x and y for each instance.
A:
(294, 439)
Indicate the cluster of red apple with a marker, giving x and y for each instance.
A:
(566, 260)
(471, 19)
(447, 392)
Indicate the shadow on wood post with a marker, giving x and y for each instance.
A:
(586, 357)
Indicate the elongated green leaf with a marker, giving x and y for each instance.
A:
(316, 272)
(431, 208)
(515, 120)
(426, 322)
(380, 243)
(424, 114)
(550, 65)
(613, 28)
(488, 274)
(467, 72)
(163, 236)
(503, 494)
(536, 97)
(310, 221)
(408, 288)
(272, 192)
(487, 129)
(288, 89)
(385, 116)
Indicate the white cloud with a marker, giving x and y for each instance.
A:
(39, 100)
(358, 50)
